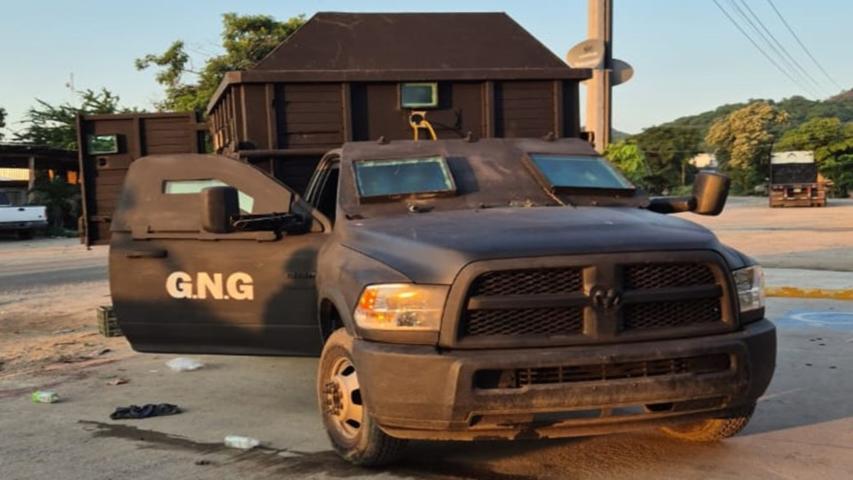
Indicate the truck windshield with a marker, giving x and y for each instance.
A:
(388, 178)
(575, 171)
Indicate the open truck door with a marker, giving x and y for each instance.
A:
(183, 280)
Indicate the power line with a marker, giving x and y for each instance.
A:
(756, 45)
(802, 45)
(805, 86)
(781, 47)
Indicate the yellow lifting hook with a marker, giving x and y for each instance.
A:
(417, 120)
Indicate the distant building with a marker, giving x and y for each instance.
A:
(704, 161)
(21, 164)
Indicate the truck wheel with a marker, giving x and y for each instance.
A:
(25, 234)
(354, 434)
(711, 430)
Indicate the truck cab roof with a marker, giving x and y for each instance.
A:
(485, 173)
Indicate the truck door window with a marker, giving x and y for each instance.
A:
(185, 187)
(328, 199)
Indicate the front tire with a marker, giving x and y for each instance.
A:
(353, 432)
(712, 429)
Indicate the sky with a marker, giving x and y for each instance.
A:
(687, 56)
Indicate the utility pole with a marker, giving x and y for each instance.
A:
(599, 87)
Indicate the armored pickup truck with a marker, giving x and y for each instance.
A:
(454, 289)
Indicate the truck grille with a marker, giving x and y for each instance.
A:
(528, 282)
(663, 275)
(525, 321)
(655, 299)
(646, 316)
(522, 377)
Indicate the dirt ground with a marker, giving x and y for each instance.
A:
(808, 238)
(49, 289)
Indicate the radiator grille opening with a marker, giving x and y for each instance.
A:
(528, 282)
(654, 315)
(524, 321)
(522, 377)
(667, 275)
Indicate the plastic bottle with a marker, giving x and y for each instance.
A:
(243, 443)
(45, 396)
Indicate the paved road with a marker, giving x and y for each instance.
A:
(44, 262)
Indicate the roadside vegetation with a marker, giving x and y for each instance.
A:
(742, 137)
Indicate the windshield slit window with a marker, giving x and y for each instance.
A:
(578, 172)
(410, 176)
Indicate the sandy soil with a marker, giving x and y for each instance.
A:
(47, 306)
(810, 238)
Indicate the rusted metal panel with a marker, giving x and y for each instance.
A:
(138, 134)
(524, 109)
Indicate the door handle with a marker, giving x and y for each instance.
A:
(158, 253)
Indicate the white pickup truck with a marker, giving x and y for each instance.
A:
(21, 220)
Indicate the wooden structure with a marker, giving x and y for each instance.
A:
(135, 135)
(795, 181)
(339, 78)
(21, 164)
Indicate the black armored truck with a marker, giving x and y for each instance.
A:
(455, 290)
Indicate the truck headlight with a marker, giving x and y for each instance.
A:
(750, 288)
(401, 306)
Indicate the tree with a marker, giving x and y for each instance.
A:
(812, 135)
(629, 159)
(668, 151)
(60, 198)
(246, 39)
(743, 140)
(56, 125)
(2, 121)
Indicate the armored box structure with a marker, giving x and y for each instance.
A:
(359, 76)
(343, 77)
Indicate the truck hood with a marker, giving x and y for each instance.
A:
(433, 247)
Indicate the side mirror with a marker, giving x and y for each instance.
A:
(218, 206)
(710, 191)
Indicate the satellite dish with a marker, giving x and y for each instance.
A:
(586, 54)
(621, 72)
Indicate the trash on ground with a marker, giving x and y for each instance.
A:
(103, 351)
(145, 411)
(241, 442)
(118, 381)
(45, 396)
(182, 364)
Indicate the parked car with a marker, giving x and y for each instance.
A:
(22, 220)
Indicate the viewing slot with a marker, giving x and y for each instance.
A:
(577, 172)
(393, 178)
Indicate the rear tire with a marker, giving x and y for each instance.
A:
(353, 432)
(712, 429)
(25, 234)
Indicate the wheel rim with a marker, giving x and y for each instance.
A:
(342, 403)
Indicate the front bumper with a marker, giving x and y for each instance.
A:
(27, 225)
(420, 393)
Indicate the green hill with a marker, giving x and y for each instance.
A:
(799, 109)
